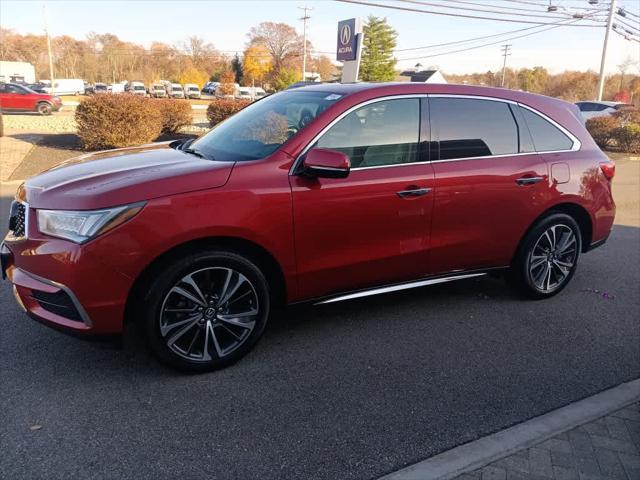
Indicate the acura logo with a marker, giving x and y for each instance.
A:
(345, 34)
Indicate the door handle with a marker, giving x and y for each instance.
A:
(529, 180)
(413, 192)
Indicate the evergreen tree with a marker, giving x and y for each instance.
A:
(236, 66)
(378, 63)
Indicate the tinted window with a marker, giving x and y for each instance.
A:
(381, 133)
(546, 137)
(586, 107)
(472, 128)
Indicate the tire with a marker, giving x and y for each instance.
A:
(547, 257)
(44, 108)
(198, 331)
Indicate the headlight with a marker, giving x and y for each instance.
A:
(80, 226)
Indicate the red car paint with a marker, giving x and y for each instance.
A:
(326, 235)
(26, 100)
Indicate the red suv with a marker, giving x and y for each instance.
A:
(19, 98)
(320, 194)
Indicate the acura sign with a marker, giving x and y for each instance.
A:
(347, 44)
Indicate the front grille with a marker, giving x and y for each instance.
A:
(18, 219)
(58, 303)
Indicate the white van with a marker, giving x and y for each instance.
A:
(250, 93)
(116, 88)
(137, 88)
(175, 91)
(157, 90)
(66, 86)
(191, 90)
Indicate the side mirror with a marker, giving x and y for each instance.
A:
(326, 163)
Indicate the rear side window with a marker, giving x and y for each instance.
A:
(546, 136)
(468, 128)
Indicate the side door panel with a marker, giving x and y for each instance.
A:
(482, 205)
(357, 232)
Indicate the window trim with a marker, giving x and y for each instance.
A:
(576, 144)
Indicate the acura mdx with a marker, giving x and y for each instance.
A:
(317, 194)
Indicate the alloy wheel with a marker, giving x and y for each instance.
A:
(208, 314)
(553, 257)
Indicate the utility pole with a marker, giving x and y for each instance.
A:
(304, 19)
(46, 31)
(506, 51)
(603, 61)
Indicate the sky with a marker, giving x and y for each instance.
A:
(225, 24)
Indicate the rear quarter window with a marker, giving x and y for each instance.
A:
(546, 136)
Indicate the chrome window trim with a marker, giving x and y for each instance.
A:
(576, 144)
(83, 314)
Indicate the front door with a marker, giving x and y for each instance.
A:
(372, 227)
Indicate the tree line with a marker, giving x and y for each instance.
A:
(273, 56)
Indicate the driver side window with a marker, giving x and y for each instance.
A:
(378, 134)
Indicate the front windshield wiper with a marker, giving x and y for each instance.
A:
(197, 153)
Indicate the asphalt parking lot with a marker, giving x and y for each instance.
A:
(351, 390)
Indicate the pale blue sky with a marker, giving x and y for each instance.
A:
(225, 24)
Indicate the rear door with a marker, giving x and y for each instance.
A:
(489, 183)
(372, 227)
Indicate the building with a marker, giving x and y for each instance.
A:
(19, 72)
(424, 76)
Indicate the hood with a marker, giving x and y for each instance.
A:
(127, 175)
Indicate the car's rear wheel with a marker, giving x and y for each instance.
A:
(44, 108)
(206, 310)
(548, 256)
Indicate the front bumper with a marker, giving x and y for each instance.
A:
(61, 284)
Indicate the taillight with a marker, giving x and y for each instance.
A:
(608, 169)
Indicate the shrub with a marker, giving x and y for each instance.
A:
(602, 129)
(113, 121)
(175, 114)
(628, 137)
(222, 108)
(627, 114)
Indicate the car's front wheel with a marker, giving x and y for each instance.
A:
(44, 108)
(206, 310)
(547, 257)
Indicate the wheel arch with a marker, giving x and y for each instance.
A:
(575, 211)
(267, 263)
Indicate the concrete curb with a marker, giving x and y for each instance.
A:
(483, 451)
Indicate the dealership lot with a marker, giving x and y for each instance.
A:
(351, 390)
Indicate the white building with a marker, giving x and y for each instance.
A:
(424, 76)
(20, 72)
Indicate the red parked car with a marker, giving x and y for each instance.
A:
(322, 193)
(20, 98)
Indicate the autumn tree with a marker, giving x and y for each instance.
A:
(324, 67)
(256, 63)
(193, 75)
(281, 41)
(284, 78)
(378, 63)
(227, 80)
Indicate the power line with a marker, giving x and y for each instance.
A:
(460, 15)
(489, 44)
(510, 7)
(540, 14)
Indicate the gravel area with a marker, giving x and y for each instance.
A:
(37, 123)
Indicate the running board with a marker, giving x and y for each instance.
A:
(397, 287)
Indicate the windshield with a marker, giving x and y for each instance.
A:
(138, 87)
(177, 89)
(261, 128)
